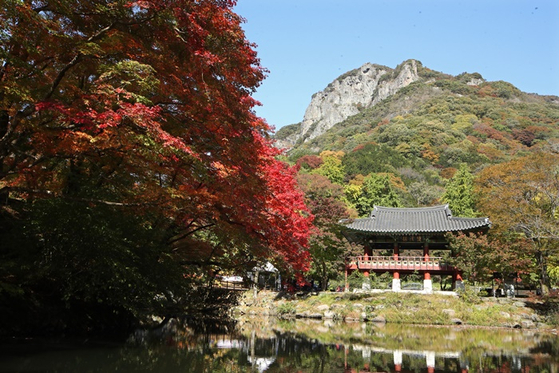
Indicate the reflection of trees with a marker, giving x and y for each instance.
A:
(547, 346)
(221, 348)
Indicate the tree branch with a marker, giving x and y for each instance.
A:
(50, 193)
(77, 58)
(184, 234)
(61, 74)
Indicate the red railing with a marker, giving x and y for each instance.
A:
(409, 263)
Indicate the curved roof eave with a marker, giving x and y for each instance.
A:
(435, 219)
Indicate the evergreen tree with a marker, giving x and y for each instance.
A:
(459, 193)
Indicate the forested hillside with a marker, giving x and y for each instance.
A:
(484, 148)
(421, 134)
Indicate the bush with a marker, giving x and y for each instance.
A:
(355, 280)
(469, 295)
(286, 309)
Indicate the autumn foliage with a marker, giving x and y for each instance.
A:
(522, 197)
(480, 255)
(145, 107)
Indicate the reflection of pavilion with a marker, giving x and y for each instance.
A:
(512, 363)
(413, 232)
(429, 357)
(258, 362)
(274, 352)
(260, 353)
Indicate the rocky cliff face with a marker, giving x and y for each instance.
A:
(347, 96)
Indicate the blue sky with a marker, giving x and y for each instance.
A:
(306, 44)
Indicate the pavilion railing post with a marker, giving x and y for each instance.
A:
(346, 287)
(427, 282)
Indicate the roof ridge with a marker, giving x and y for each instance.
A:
(466, 217)
(415, 219)
(437, 207)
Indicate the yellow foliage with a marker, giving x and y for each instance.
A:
(395, 181)
(464, 122)
(353, 191)
(429, 154)
(332, 154)
(522, 195)
(403, 148)
(490, 151)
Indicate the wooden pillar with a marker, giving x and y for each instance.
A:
(397, 360)
(430, 360)
(457, 283)
(346, 288)
(396, 285)
(427, 282)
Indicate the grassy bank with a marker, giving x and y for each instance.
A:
(404, 308)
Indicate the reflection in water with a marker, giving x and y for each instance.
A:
(270, 346)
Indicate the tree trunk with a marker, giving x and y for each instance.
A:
(542, 264)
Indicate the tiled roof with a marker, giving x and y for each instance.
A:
(414, 220)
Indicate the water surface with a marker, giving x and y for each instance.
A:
(269, 345)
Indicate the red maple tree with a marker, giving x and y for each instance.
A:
(146, 106)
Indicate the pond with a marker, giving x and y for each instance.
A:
(270, 345)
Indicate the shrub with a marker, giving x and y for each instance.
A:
(355, 280)
(469, 295)
(285, 309)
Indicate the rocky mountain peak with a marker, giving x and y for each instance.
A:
(348, 95)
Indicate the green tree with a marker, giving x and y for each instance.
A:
(479, 255)
(328, 248)
(331, 167)
(375, 190)
(459, 193)
(424, 194)
(373, 158)
(395, 134)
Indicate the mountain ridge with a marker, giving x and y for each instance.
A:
(347, 95)
(374, 93)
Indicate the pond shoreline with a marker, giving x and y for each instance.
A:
(403, 308)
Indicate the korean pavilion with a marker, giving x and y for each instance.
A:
(402, 240)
